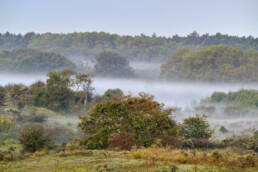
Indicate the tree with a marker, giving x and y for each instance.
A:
(58, 92)
(196, 128)
(59, 85)
(112, 64)
(83, 80)
(141, 116)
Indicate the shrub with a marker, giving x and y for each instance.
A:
(34, 138)
(20, 104)
(16, 90)
(40, 153)
(247, 161)
(196, 127)
(182, 159)
(9, 157)
(253, 144)
(98, 140)
(1, 156)
(124, 141)
(6, 124)
(2, 96)
(9, 141)
(138, 155)
(223, 129)
(216, 156)
(141, 116)
(171, 141)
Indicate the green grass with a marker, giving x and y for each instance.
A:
(101, 161)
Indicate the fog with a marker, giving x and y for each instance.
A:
(172, 94)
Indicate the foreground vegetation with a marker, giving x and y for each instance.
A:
(154, 158)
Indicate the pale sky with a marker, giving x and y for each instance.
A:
(131, 17)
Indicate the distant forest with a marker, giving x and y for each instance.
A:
(137, 48)
(29, 60)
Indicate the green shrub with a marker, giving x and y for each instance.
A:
(34, 138)
(6, 124)
(98, 140)
(196, 127)
(253, 144)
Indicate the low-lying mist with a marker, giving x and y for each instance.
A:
(172, 94)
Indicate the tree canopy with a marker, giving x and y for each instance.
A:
(112, 64)
(29, 60)
(140, 48)
(213, 63)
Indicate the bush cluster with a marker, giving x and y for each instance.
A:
(139, 121)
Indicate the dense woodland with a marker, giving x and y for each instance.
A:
(29, 60)
(212, 63)
(137, 48)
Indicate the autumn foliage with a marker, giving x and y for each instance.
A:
(140, 116)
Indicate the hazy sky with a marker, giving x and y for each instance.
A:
(131, 17)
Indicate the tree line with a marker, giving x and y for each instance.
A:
(138, 48)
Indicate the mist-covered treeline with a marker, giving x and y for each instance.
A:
(30, 60)
(140, 48)
(213, 63)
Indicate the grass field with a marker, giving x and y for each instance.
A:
(140, 159)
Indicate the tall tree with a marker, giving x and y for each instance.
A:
(112, 64)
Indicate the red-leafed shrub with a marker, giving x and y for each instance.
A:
(123, 141)
(171, 141)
